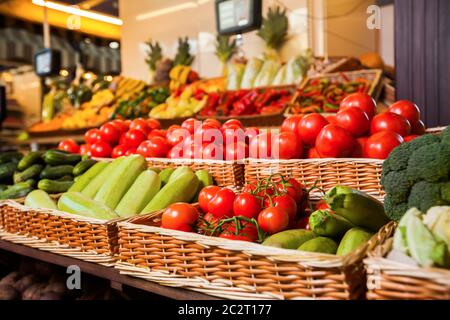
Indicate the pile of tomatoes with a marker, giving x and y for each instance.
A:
(262, 208)
(355, 131)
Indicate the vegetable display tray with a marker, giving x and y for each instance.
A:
(224, 173)
(387, 279)
(59, 232)
(238, 270)
(359, 174)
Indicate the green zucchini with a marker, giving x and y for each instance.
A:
(117, 184)
(17, 191)
(56, 172)
(165, 175)
(30, 173)
(352, 239)
(289, 239)
(178, 172)
(58, 158)
(40, 199)
(77, 203)
(30, 159)
(7, 171)
(82, 181)
(83, 166)
(182, 189)
(53, 186)
(140, 194)
(10, 156)
(96, 183)
(320, 244)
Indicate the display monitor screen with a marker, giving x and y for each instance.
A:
(47, 62)
(238, 16)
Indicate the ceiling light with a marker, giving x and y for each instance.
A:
(114, 45)
(157, 13)
(64, 73)
(78, 12)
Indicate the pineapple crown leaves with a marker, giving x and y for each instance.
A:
(183, 56)
(225, 48)
(274, 27)
(154, 54)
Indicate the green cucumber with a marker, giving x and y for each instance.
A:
(30, 173)
(30, 159)
(3, 187)
(19, 190)
(328, 224)
(7, 171)
(40, 199)
(165, 175)
(178, 172)
(120, 181)
(58, 158)
(10, 156)
(320, 244)
(352, 239)
(96, 183)
(82, 181)
(181, 189)
(54, 186)
(56, 172)
(289, 239)
(83, 166)
(77, 203)
(140, 194)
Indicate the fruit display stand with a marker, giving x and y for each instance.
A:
(235, 269)
(59, 232)
(360, 174)
(394, 280)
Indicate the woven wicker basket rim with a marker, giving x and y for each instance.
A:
(316, 160)
(184, 161)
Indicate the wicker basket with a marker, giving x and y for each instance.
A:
(235, 269)
(389, 279)
(360, 174)
(225, 173)
(79, 237)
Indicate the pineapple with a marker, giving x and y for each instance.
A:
(183, 57)
(154, 54)
(225, 50)
(274, 30)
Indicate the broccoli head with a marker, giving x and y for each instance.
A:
(394, 210)
(430, 163)
(397, 185)
(446, 135)
(425, 195)
(398, 158)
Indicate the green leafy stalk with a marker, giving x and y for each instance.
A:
(154, 54)
(274, 28)
(225, 48)
(183, 56)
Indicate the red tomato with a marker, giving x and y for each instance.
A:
(354, 120)
(179, 216)
(261, 146)
(380, 145)
(286, 203)
(359, 147)
(69, 145)
(294, 189)
(173, 127)
(119, 151)
(133, 138)
(313, 154)
(192, 151)
(233, 135)
(208, 134)
(322, 205)
(156, 147)
(188, 140)
(250, 133)
(110, 133)
(233, 123)
(248, 232)
(212, 151)
(418, 129)
(153, 124)
(360, 100)
(205, 196)
(119, 124)
(85, 149)
(131, 151)
(191, 125)
(273, 220)
(335, 142)
(140, 124)
(157, 133)
(309, 128)
(92, 136)
(390, 121)
(101, 150)
(291, 124)
(286, 145)
(407, 109)
(213, 122)
(236, 151)
(331, 118)
(410, 138)
(222, 204)
(247, 205)
(176, 152)
(208, 223)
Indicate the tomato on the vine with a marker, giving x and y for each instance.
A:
(179, 216)
(221, 205)
(205, 196)
(247, 205)
(273, 220)
(248, 232)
